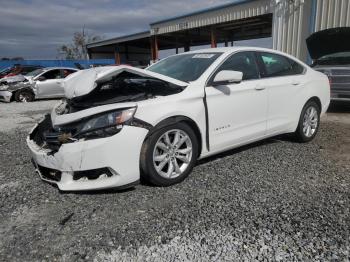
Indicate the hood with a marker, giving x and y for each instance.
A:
(84, 81)
(12, 79)
(328, 42)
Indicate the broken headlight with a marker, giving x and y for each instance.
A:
(105, 124)
(3, 87)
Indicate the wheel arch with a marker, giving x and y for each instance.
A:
(316, 99)
(176, 119)
(14, 93)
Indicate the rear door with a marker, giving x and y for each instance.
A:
(283, 79)
(237, 112)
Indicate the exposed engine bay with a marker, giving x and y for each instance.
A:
(125, 87)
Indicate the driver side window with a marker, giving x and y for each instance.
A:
(243, 62)
(53, 74)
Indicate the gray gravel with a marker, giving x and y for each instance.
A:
(274, 200)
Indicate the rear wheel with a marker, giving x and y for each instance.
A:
(24, 96)
(169, 154)
(309, 122)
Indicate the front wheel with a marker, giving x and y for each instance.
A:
(24, 96)
(309, 122)
(169, 154)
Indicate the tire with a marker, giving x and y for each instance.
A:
(164, 166)
(309, 122)
(24, 96)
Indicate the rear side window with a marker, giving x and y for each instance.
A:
(278, 65)
(243, 62)
(67, 72)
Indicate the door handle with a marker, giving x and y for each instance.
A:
(259, 88)
(295, 83)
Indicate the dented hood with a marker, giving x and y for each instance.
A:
(13, 79)
(329, 41)
(84, 81)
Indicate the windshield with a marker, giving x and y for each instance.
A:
(185, 67)
(35, 72)
(5, 71)
(334, 59)
(335, 55)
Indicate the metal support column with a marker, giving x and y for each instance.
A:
(116, 55)
(213, 43)
(154, 48)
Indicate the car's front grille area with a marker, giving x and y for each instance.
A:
(50, 174)
(45, 136)
(340, 72)
(38, 134)
(340, 79)
(344, 96)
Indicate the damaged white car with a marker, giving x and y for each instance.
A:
(120, 124)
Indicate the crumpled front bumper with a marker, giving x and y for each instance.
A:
(5, 96)
(120, 154)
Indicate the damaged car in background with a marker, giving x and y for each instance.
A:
(120, 124)
(17, 69)
(330, 51)
(38, 84)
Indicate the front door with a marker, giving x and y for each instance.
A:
(49, 84)
(237, 112)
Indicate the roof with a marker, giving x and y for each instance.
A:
(233, 3)
(119, 39)
(229, 49)
(240, 48)
(59, 67)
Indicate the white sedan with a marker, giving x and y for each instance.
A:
(38, 84)
(119, 124)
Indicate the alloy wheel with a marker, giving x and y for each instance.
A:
(172, 153)
(310, 121)
(23, 97)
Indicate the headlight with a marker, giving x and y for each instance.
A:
(105, 124)
(4, 87)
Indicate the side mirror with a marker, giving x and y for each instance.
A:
(41, 78)
(227, 77)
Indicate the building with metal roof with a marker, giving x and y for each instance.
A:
(288, 22)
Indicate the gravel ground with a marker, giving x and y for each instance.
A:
(273, 200)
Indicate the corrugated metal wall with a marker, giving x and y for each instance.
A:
(291, 22)
(332, 13)
(213, 17)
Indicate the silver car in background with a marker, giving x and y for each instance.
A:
(330, 51)
(39, 84)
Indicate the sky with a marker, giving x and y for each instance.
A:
(34, 29)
